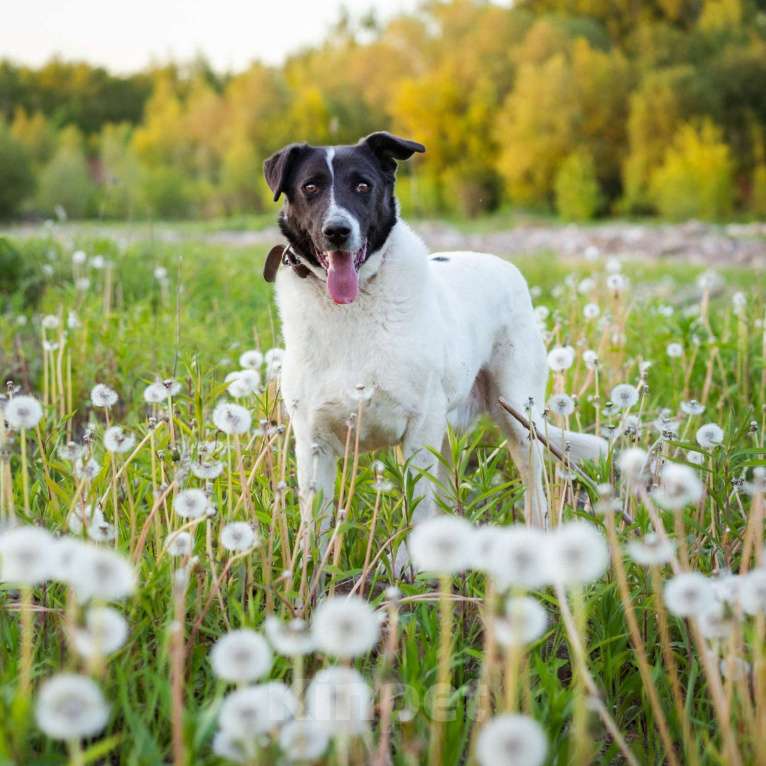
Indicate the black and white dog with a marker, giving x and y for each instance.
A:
(439, 338)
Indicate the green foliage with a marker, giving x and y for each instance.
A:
(16, 180)
(758, 193)
(578, 194)
(695, 179)
(500, 96)
(66, 182)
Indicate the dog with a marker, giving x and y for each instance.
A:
(438, 338)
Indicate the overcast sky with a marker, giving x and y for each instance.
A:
(126, 36)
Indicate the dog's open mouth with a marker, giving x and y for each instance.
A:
(342, 267)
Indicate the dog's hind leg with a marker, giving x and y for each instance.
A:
(518, 372)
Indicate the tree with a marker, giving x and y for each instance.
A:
(695, 179)
(578, 195)
(16, 180)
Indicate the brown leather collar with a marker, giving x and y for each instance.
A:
(283, 254)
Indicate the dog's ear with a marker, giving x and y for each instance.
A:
(389, 148)
(277, 168)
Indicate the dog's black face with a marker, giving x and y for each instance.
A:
(340, 203)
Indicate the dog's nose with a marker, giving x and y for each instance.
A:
(336, 232)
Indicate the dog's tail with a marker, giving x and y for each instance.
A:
(577, 445)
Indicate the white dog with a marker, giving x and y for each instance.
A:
(439, 338)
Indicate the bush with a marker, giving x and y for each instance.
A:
(66, 181)
(578, 194)
(166, 192)
(695, 179)
(16, 180)
(470, 191)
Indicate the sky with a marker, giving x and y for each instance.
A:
(126, 36)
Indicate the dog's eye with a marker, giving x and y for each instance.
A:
(362, 188)
(310, 188)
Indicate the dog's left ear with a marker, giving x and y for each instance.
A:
(389, 148)
(276, 169)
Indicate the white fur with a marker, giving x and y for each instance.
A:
(439, 341)
(336, 212)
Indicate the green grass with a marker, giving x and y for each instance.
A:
(216, 305)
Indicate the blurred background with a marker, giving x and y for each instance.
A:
(575, 109)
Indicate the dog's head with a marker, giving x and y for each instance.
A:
(340, 204)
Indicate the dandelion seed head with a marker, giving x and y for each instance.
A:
(79, 257)
(591, 310)
(624, 395)
(232, 418)
(752, 592)
(303, 740)
(524, 621)
(561, 358)
(191, 503)
(576, 553)
(632, 463)
(443, 545)
(692, 407)
(206, 469)
(243, 383)
(71, 707)
(117, 439)
(234, 749)
(255, 710)
(617, 283)
(652, 550)
(517, 559)
(25, 555)
(240, 656)
(291, 639)
(688, 594)
(105, 631)
(88, 470)
(340, 701)
(71, 451)
(180, 543)
(679, 486)
(511, 740)
(238, 536)
(160, 273)
(23, 412)
(103, 396)
(252, 359)
(345, 626)
(674, 350)
(50, 322)
(710, 436)
(590, 358)
(562, 405)
(102, 574)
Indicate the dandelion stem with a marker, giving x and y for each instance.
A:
(442, 687)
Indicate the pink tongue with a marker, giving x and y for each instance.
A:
(342, 280)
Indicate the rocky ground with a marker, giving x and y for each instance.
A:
(694, 242)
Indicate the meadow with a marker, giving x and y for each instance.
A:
(161, 602)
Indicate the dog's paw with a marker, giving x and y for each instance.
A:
(403, 564)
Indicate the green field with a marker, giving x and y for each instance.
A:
(647, 685)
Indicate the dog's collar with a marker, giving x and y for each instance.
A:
(283, 254)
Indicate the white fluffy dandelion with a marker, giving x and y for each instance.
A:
(23, 412)
(340, 701)
(561, 405)
(232, 418)
(679, 486)
(191, 503)
(517, 558)
(524, 621)
(103, 396)
(576, 553)
(179, 543)
(252, 359)
(590, 358)
(692, 407)
(624, 396)
(71, 707)
(345, 626)
(117, 439)
(752, 592)
(206, 469)
(511, 740)
(238, 536)
(443, 544)
(156, 393)
(633, 462)
(291, 639)
(235, 749)
(716, 621)
(652, 550)
(688, 594)
(241, 656)
(303, 740)
(591, 310)
(561, 358)
(25, 555)
(710, 436)
(255, 710)
(102, 574)
(674, 350)
(243, 383)
(104, 633)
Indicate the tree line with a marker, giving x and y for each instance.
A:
(579, 107)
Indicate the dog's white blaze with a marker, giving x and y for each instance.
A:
(336, 212)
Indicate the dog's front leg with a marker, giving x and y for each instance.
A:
(317, 465)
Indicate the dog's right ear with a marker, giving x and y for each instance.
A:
(277, 168)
